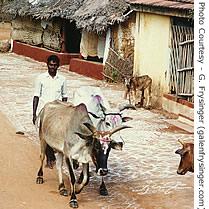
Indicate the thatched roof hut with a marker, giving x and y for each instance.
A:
(90, 15)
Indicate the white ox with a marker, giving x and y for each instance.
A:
(103, 117)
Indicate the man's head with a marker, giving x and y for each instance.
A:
(53, 64)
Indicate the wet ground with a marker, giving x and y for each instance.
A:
(143, 175)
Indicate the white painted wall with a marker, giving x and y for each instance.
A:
(151, 54)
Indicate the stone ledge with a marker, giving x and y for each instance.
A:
(181, 108)
(41, 54)
(180, 101)
(181, 125)
(87, 68)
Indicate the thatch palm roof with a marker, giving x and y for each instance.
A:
(91, 15)
(97, 15)
(16, 7)
(56, 8)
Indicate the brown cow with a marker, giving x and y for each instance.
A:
(187, 158)
(135, 84)
(69, 130)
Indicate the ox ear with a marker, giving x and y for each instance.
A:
(116, 145)
(90, 127)
(125, 119)
(178, 151)
(94, 115)
(83, 136)
(181, 152)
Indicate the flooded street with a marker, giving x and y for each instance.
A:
(142, 175)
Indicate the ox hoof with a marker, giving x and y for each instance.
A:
(138, 105)
(39, 180)
(50, 164)
(75, 164)
(103, 191)
(63, 192)
(73, 203)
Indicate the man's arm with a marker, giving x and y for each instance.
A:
(37, 94)
(64, 91)
(35, 105)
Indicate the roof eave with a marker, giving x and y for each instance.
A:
(163, 10)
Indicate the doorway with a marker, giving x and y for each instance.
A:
(72, 37)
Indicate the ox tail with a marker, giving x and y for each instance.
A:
(38, 119)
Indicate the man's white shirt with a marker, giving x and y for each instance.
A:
(49, 89)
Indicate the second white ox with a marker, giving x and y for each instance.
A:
(102, 115)
(104, 118)
(69, 130)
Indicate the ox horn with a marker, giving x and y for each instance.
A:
(103, 108)
(114, 130)
(127, 106)
(90, 127)
(94, 115)
(181, 142)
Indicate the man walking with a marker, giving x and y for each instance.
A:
(49, 86)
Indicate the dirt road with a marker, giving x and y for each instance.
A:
(19, 160)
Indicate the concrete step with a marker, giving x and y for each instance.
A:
(185, 119)
(184, 126)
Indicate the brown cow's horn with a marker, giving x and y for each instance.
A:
(90, 127)
(127, 106)
(181, 142)
(118, 129)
